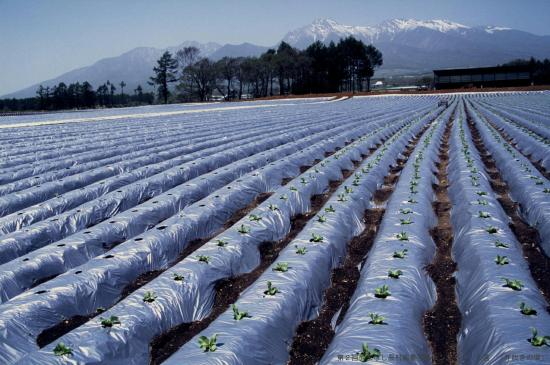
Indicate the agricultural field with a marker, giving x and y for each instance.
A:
(407, 229)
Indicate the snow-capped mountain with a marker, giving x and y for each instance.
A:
(408, 46)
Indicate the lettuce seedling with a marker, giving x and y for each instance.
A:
(254, 218)
(537, 340)
(203, 258)
(355, 182)
(243, 229)
(208, 344)
(395, 274)
(178, 277)
(100, 310)
(546, 191)
(491, 229)
(283, 197)
(500, 244)
(342, 198)
(402, 236)
(62, 350)
(481, 193)
(303, 180)
(482, 202)
(526, 310)
(366, 354)
(292, 188)
(149, 297)
(376, 319)
(382, 292)
(502, 260)
(271, 290)
(400, 254)
(412, 200)
(221, 243)
(109, 322)
(273, 207)
(238, 315)
(316, 238)
(513, 284)
(330, 209)
(348, 190)
(484, 214)
(406, 221)
(405, 211)
(321, 218)
(281, 267)
(301, 250)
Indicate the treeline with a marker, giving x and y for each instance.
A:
(540, 69)
(343, 67)
(79, 96)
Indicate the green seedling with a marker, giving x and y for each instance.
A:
(330, 209)
(178, 277)
(376, 319)
(254, 218)
(348, 190)
(395, 274)
(321, 218)
(273, 207)
(203, 258)
(221, 243)
(526, 310)
(405, 211)
(367, 354)
(406, 221)
(412, 200)
(281, 267)
(400, 254)
(342, 198)
(484, 214)
(100, 310)
(537, 340)
(208, 344)
(243, 229)
(62, 350)
(301, 250)
(355, 182)
(502, 260)
(283, 197)
(292, 188)
(500, 244)
(303, 180)
(316, 238)
(238, 315)
(149, 297)
(402, 236)
(546, 190)
(482, 202)
(109, 322)
(481, 193)
(271, 290)
(491, 230)
(382, 292)
(513, 284)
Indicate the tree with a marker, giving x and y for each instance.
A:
(374, 57)
(202, 77)
(122, 85)
(227, 68)
(165, 73)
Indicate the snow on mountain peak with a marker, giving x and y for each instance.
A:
(439, 25)
(491, 29)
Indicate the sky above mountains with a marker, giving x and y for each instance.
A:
(41, 39)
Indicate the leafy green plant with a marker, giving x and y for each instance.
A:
(382, 292)
(481, 193)
(301, 250)
(402, 236)
(203, 258)
(178, 277)
(109, 322)
(367, 354)
(513, 284)
(405, 211)
(255, 218)
(62, 350)
(348, 190)
(238, 315)
(537, 340)
(283, 197)
(273, 207)
(100, 310)
(149, 297)
(330, 209)
(491, 229)
(221, 243)
(484, 214)
(292, 188)
(316, 238)
(271, 290)
(406, 221)
(502, 260)
(376, 319)
(500, 244)
(208, 344)
(412, 200)
(243, 229)
(482, 202)
(400, 254)
(321, 218)
(526, 310)
(281, 267)
(303, 180)
(395, 274)
(342, 198)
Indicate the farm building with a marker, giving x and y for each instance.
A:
(497, 76)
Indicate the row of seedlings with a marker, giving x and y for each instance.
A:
(384, 318)
(503, 312)
(291, 289)
(53, 259)
(69, 294)
(527, 185)
(186, 291)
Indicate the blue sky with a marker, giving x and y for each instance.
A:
(40, 39)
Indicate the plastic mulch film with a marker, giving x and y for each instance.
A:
(527, 185)
(265, 337)
(493, 278)
(403, 247)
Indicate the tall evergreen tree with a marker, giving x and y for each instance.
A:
(165, 73)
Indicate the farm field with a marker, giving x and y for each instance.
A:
(387, 230)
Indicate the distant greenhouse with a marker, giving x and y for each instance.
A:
(497, 76)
